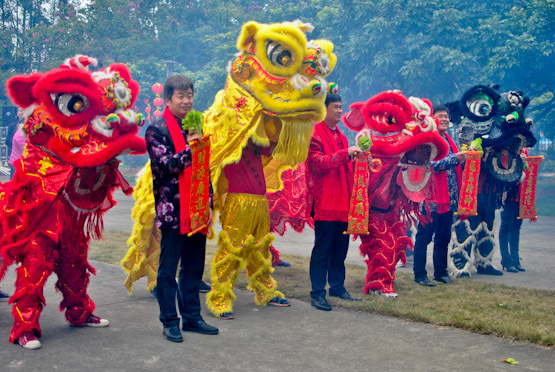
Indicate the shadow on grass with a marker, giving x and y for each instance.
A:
(513, 313)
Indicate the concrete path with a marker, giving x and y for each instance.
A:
(298, 338)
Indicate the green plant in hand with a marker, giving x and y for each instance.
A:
(476, 145)
(193, 121)
(364, 143)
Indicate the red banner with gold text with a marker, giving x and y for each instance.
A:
(528, 188)
(199, 195)
(358, 210)
(468, 201)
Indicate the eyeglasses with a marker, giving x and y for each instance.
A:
(442, 116)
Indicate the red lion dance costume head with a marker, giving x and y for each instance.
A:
(405, 139)
(77, 123)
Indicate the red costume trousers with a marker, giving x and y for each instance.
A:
(383, 248)
(68, 259)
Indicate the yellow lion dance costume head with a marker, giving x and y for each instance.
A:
(275, 90)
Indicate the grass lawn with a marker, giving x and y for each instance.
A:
(513, 313)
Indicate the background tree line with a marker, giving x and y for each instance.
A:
(428, 48)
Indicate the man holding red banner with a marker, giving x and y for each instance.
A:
(330, 172)
(171, 163)
(442, 205)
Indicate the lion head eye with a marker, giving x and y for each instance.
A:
(70, 103)
(278, 55)
(480, 105)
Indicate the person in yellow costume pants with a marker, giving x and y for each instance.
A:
(260, 125)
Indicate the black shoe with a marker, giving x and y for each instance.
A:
(424, 281)
(509, 268)
(173, 333)
(199, 326)
(443, 279)
(519, 268)
(488, 270)
(320, 303)
(4, 294)
(203, 287)
(346, 296)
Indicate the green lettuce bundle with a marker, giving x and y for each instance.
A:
(364, 143)
(193, 121)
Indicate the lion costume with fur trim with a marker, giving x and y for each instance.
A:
(405, 139)
(77, 123)
(499, 120)
(275, 90)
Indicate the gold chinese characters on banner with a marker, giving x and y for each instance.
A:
(468, 201)
(528, 189)
(358, 210)
(199, 208)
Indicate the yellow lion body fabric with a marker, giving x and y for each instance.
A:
(143, 256)
(275, 90)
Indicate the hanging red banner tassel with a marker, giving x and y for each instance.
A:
(468, 201)
(358, 209)
(527, 190)
(199, 206)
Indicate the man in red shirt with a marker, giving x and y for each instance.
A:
(330, 183)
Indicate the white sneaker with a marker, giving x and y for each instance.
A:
(29, 341)
(95, 321)
(384, 294)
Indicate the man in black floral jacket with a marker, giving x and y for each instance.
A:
(167, 164)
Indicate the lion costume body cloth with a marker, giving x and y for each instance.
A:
(405, 139)
(260, 123)
(77, 123)
(499, 120)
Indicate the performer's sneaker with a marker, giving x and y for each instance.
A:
(281, 302)
(226, 316)
(29, 341)
(384, 294)
(283, 263)
(203, 287)
(95, 321)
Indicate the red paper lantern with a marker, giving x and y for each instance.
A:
(158, 102)
(148, 109)
(157, 88)
(157, 114)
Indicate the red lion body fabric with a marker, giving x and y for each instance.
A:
(78, 122)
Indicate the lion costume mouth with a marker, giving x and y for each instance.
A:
(415, 174)
(505, 166)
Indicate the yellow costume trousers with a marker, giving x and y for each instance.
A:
(243, 244)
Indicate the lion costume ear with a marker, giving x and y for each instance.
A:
(20, 89)
(246, 37)
(126, 75)
(354, 119)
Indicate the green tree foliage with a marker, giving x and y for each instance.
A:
(428, 48)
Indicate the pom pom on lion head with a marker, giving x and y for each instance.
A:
(82, 117)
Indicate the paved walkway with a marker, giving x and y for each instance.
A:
(298, 338)
(268, 339)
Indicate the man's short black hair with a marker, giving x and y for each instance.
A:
(332, 98)
(174, 82)
(441, 108)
